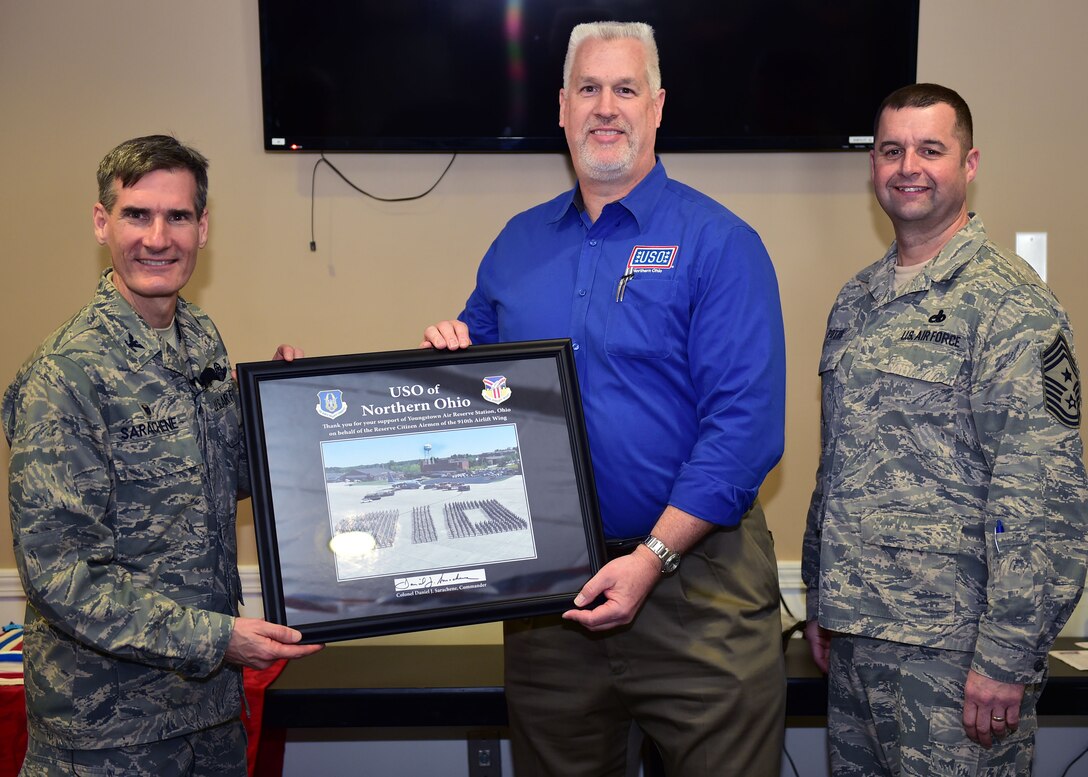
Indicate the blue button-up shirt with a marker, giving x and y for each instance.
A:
(672, 306)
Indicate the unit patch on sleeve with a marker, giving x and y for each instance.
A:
(1061, 381)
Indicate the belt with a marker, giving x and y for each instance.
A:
(616, 548)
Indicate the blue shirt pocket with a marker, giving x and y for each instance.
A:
(641, 321)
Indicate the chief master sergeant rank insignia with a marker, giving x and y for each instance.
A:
(1061, 379)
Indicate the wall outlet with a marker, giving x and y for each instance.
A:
(484, 758)
(1031, 247)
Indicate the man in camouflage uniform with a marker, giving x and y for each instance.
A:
(945, 545)
(126, 463)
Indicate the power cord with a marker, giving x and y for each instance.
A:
(793, 766)
(313, 182)
(1074, 761)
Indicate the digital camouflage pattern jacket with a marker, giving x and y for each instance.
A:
(126, 462)
(951, 504)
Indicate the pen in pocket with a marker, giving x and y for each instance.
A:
(999, 529)
(622, 287)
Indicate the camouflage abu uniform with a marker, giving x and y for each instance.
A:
(125, 467)
(950, 506)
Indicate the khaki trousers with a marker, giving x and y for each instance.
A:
(700, 670)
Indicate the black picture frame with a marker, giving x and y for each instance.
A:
(411, 490)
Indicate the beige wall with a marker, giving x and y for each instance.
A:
(78, 77)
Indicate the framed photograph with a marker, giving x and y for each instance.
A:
(413, 490)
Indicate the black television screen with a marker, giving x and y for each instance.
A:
(484, 75)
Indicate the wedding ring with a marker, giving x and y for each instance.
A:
(997, 719)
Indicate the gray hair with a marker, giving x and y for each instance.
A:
(639, 31)
(135, 158)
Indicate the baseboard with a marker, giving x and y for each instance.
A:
(13, 601)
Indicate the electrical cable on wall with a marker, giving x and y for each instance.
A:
(1071, 763)
(344, 178)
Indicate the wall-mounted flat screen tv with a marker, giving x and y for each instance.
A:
(484, 75)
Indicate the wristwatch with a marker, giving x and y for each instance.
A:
(670, 559)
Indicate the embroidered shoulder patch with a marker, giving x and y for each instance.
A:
(1061, 380)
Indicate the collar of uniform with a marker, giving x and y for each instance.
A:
(959, 250)
(135, 337)
(640, 201)
(199, 342)
(880, 277)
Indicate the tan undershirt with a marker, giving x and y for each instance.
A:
(904, 275)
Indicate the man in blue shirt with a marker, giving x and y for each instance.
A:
(672, 306)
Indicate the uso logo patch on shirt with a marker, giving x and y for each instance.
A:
(644, 258)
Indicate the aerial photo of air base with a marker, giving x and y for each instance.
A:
(426, 502)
